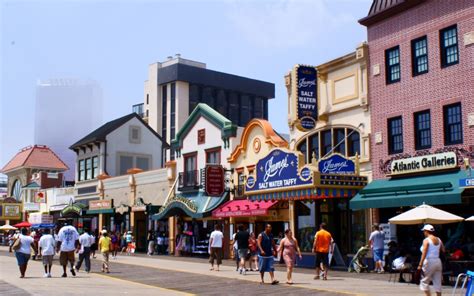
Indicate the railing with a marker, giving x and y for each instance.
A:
(188, 179)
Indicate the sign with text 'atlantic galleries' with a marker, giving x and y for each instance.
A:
(425, 163)
(336, 164)
(306, 93)
(276, 171)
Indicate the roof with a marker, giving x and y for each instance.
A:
(37, 156)
(100, 134)
(382, 9)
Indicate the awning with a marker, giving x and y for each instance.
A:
(305, 194)
(413, 191)
(100, 211)
(243, 208)
(195, 205)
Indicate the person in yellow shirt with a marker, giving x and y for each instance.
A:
(322, 247)
(105, 244)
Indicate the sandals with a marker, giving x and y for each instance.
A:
(317, 277)
(275, 282)
(289, 283)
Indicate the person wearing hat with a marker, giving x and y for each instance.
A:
(430, 262)
(105, 246)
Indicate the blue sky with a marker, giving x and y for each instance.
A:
(113, 42)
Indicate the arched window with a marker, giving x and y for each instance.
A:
(16, 190)
(303, 148)
(353, 142)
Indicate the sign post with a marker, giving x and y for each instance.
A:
(214, 180)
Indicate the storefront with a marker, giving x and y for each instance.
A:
(10, 211)
(75, 214)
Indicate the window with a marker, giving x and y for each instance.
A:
(95, 167)
(395, 135)
(213, 156)
(190, 170)
(353, 143)
(265, 109)
(164, 111)
(234, 109)
(339, 140)
(134, 135)
(422, 130)
(314, 146)
(88, 168)
(448, 38)
(245, 112)
(126, 163)
(392, 64)
(194, 96)
(147, 99)
(452, 124)
(303, 148)
(258, 108)
(419, 55)
(221, 105)
(326, 143)
(82, 170)
(208, 96)
(143, 163)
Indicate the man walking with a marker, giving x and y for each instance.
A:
(377, 245)
(67, 243)
(215, 246)
(267, 250)
(46, 249)
(85, 240)
(242, 238)
(105, 244)
(322, 247)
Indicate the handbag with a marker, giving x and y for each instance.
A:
(417, 276)
(17, 244)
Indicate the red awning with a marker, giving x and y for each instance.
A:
(243, 208)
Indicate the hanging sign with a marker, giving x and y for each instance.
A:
(306, 93)
(336, 164)
(425, 163)
(277, 171)
(214, 180)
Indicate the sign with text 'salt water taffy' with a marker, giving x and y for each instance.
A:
(278, 170)
(306, 97)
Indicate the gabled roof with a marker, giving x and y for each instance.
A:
(228, 129)
(37, 156)
(100, 134)
(382, 9)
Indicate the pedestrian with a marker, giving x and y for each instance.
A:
(322, 246)
(12, 237)
(67, 243)
(123, 243)
(115, 244)
(22, 247)
(376, 243)
(242, 238)
(160, 241)
(253, 248)
(288, 249)
(267, 248)
(235, 247)
(46, 249)
(150, 238)
(105, 245)
(94, 240)
(430, 262)
(129, 241)
(85, 240)
(215, 246)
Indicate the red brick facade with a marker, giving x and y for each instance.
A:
(439, 87)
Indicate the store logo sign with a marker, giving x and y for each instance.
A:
(336, 164)
(425, 163)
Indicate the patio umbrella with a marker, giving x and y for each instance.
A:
(471, 219)
(7, 227)
(22, 224)
(425, 214)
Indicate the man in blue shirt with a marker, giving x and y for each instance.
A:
(267, 250)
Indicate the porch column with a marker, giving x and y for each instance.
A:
(291, 209)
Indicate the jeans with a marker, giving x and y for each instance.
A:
(85, 256)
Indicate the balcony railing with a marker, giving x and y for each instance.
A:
(188, 179)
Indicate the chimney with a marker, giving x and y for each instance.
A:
(169, 58)
(178, 55)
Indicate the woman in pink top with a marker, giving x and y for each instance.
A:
(288, 248)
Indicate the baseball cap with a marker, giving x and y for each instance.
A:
(428, 227)
(104, 231)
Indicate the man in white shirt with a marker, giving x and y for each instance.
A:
(85, 240)
(376, 241)
(46, 247)
(215, 246)
(67, 243)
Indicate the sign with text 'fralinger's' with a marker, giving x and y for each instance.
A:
(278, 170)
(306, 97)
(425, 163)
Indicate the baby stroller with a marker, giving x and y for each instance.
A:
(357, 263)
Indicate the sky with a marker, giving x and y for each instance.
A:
(113, 42)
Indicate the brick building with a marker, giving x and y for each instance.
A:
(421, 93)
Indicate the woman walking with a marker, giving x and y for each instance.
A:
(22, 247)
(288, 249)
(253, 252)
(430, 262)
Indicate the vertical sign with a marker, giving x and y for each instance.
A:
(214, 180)
(306, 92)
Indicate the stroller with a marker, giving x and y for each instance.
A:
(357, 263)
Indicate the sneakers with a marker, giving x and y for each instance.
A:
(244, 272)
(46, 275)
(73, 272)
(240, 270)
(49, 275)
(64, 275)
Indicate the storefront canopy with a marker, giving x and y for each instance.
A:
(243, 208)
(413, 191)
(305, 194)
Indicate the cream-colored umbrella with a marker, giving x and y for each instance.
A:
(7, 227)
(425, 214)
(471, 219)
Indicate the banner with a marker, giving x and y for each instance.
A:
(307, 94)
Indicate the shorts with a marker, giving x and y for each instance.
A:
(22, 258)
(65, 257)
(216, 254)
(322, 258)
(378, 255)
(265, 264)
(243, 253)
(48, 259)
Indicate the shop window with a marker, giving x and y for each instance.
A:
(452, 124)
(88, 168)
(353, 143)
(422, 130)
(82, 170)
(306, 223)
(213, 156)
(419, 55)
(339, 135)
(314, 146)
(392, 64)
(326, 143)
(303, 148)
(395, 135)
(449, 46)
(95, 167)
